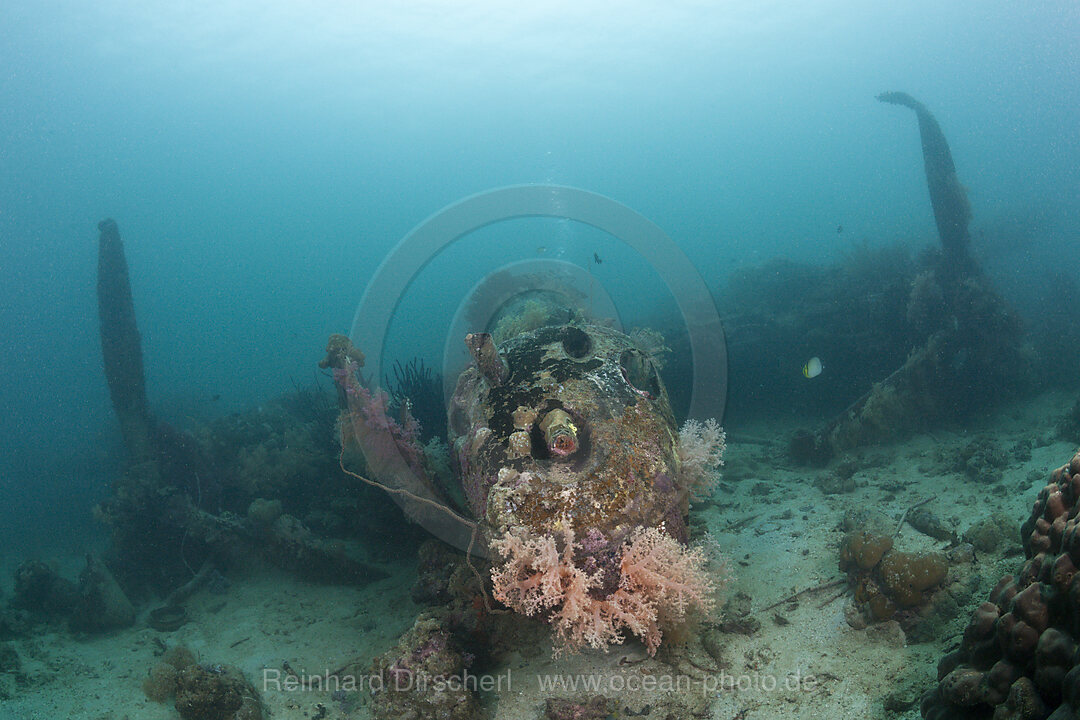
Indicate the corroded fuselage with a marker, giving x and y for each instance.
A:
(568, 428)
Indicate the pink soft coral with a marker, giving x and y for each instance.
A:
(391, 450)
(701, 454)
(660, 583)
(655, 566)
(389, 447)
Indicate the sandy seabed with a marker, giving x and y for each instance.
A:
(780, 531)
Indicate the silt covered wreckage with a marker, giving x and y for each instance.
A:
(575, 480)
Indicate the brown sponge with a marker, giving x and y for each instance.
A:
(1019, 657)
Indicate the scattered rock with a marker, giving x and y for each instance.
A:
(901, 699)
(926, 522)
(41, 591)
(10, 663)
(760, 489)
(735, 616)
(595, 708)
(982, 460)
(888, 581)
(713, 642)
(887, 633)
(961, 554)
(216, 692)
(854, 618)
(262, 513)
(428, 650)
(994, 534)
(833, 484)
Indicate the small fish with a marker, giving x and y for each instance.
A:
(541, 250)
(596, 259)
(839, 229)
(215, 398)
(813, 367)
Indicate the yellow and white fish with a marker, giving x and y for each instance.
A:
(813, 367)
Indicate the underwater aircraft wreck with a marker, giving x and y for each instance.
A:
(579, 481)
(571, 488)
(569, 493)
(570, 473)
(575, 485)
(970, 339)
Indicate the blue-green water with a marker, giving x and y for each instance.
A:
(262, 157)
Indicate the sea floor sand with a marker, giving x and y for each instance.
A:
(780, 531)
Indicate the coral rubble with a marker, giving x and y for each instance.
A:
(12, 677)
(40, 590)
(216, 692)
(594, 708)
(95, 604)
(425, 676)
(888, 581)
(202, 691)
